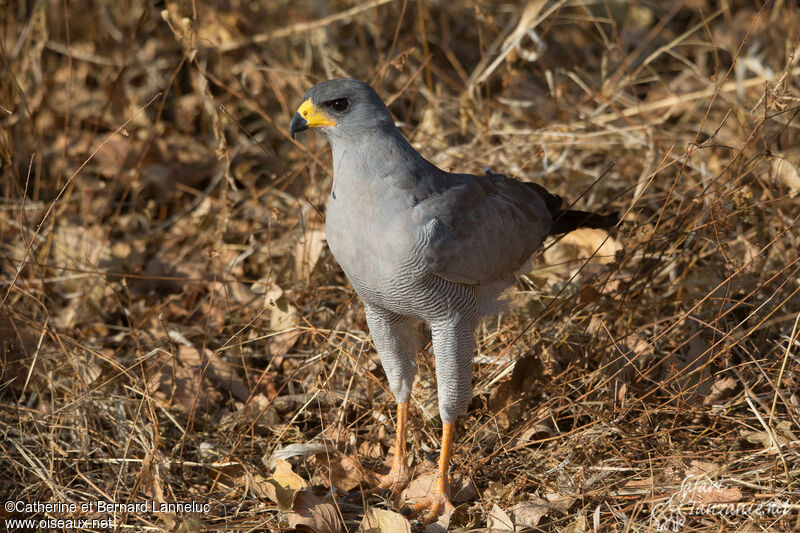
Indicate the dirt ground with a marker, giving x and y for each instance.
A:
(179, 350)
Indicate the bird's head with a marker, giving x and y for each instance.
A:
(341, 108)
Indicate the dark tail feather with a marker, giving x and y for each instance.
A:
(568, 220)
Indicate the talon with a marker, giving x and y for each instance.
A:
(438, 498)
(433, 505)
(429, 509)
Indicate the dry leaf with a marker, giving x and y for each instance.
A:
(312, 514)
(498, 520)
(578, 526)
(154, 486)
(698, 469)
(383, 521)
(763, 438)
(271, 290)
(787, 172)
(283, 485)
(461, 518)
(509, 399)
(720, 390)
(191, 524)
(89, 369)
(370, 450)
(784, 429)
(542, 429)
(343, 472)
(698, 487)
(258, 414)
(282, 316)
(528, 513)
(442, 524)
(257, 484)
(499, 491)
(587, 241)
(307, 252)
(461, 488)
(282, 319)
(175, 382)
(783, 435)
(225, 377)
(80, 248)
(75, 245)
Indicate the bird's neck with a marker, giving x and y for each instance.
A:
(382, 158)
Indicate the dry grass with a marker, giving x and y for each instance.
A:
(169, 316)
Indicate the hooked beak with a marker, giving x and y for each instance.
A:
(307, 116)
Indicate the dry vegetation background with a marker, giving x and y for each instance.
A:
(172, 325)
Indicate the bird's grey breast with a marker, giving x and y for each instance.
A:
(370, 231)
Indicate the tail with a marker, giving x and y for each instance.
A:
(568, 220)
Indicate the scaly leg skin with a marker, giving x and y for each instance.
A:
(399, 475)
(439, 496)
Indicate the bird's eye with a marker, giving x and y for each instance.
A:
(339, 105)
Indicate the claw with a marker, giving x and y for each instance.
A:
(438, 499)
(430, 508)
(437, 502)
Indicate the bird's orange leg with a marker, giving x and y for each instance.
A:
(439, 496)
(399, 475)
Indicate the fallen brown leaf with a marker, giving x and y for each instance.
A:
(307, 252)
(509, 399)
(283, 485)
(258, 413)
(787, 172)
(461, 488)
(579, 525)
(498, 491)
(282, 321)
(344, 472)
(383, 521)
(528, 513)
(309, 513)
(498, 520)
(720, 390)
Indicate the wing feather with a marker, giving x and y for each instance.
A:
(480, 229)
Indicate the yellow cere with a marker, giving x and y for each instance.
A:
(314, 116)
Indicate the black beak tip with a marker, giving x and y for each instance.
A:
(297, 124)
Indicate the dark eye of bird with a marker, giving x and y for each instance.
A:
(339, 105)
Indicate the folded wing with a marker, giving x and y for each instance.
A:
(481, 229)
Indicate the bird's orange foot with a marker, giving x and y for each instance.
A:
(430, 508)
(397, 478)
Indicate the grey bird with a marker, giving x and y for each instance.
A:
(420, 244)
